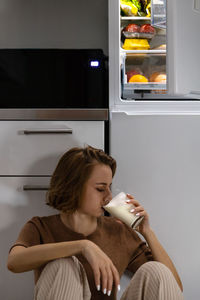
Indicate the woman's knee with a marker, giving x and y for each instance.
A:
(67, 269)
(154, 280)
(63, 265)
(63, 276)
(60, 261)
(155, 271)
(154, 267)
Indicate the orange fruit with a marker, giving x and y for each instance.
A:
(153, 76)
(158, 77)
(138, 78)
(162, 78)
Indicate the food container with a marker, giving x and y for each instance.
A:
(137, 35)
(136, 44)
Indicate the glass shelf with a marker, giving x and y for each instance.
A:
(145, 86)
(135, 18)
(143, 51)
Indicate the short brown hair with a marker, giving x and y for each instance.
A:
(72, 172)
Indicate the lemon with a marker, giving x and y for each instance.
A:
(138, 78)
(134, 10)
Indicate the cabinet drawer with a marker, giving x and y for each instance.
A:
(16, 208)
(34, 147)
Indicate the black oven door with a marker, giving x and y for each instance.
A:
(53, 78)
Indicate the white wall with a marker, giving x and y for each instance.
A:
(56, 24)
(159, 163)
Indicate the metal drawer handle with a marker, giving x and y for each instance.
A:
(48, 131)
(33, 187)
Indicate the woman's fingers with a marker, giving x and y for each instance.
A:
(97, 278)
(105, 277)
(109, 281)
(109, 276)
(116, 277)
(103, 268)
(132, 200)
(138, 210)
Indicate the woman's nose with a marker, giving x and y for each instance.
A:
(110, 195)
(108, 198)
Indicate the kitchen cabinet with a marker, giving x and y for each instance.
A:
(16, 207)
(29, 152)
(29, 159)
(33, 147)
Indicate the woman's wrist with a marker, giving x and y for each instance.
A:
(147, 233)
(84, 244)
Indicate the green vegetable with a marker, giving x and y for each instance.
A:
(141, 14)
(135, 2)
(128, 8)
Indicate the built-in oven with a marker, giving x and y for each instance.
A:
(53, 78)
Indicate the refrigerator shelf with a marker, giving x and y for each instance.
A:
(135, 18)
(143, 51)
(144, 86)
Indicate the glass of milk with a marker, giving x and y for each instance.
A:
(120, 209)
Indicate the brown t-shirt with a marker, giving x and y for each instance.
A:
(121, 243)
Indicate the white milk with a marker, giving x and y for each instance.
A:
(119, 208)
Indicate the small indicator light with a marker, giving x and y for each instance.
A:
(94, 63)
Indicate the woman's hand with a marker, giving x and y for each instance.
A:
(139, 210)
(105, 273)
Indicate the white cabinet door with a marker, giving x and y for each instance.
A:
(34, 147)
(16, 208)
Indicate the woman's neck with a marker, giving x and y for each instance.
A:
(79, 222)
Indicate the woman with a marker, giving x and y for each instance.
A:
(81, 254)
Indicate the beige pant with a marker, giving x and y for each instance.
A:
(66, 279)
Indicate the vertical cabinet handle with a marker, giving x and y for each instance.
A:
(48, 131)
(196, 6)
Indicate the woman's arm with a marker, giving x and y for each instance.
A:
(22, 259)
(157, 249)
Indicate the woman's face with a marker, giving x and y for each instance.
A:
(96, 191)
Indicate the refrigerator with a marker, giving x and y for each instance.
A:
(154, 93)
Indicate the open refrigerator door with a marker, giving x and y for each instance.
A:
(183, 63)
(152, 56)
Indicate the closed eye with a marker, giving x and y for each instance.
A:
(100, 190)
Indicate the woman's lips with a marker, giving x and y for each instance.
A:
(106, 202)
